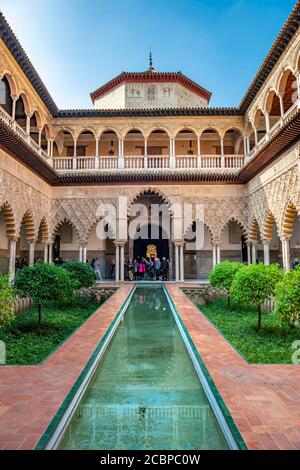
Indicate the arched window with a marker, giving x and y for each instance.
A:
(5, 98)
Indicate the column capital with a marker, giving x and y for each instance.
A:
(13, 238)
(120, 242)
(178, 242)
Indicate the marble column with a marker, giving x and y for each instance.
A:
(31, 253)
(117, 269)
(50, 253)
(80, 253)
(218, 248)
(286, 255)
(28, 124)
(122, 260)
(214, 255)
(46, 253)
(266, 254)
(248, 253)
(176, 263)
(254, 254)
(84, 253)
(12, 259)
(181, 263)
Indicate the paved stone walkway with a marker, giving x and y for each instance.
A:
(264, 400)
(31, 395)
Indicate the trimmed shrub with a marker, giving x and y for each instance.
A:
(223, 274)
(84, 275)
(287, 296)
(6, 301)
(43, 282)
(254, 284)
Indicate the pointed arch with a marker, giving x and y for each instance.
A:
(236, 220)
(205, 224)
(267, 231)
(28, 220)
(150, 191)
(9, 219)
(253, 232)
(59, 223)
(44, 229)
(110, 229)
(288, 220)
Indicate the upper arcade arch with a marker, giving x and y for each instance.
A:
(186, 142)
(12, 83)
(287, 88)
(6, 101)
(158, 129)
(134, 142)
(233, 141)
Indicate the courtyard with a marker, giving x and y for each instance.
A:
(150, 231)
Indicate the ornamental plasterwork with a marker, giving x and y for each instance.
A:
(274, 197)
(23, 199)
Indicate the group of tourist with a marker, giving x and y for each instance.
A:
(147, 269)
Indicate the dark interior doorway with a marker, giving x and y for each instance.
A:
(161, 244)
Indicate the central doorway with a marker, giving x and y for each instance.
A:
(150, 246)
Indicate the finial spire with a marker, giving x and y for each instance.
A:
(151, 68)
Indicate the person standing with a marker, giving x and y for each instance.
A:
(112, 269)
(97, 268)
(164, 269)
(157, 266)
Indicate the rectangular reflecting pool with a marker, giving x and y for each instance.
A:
(145, 392)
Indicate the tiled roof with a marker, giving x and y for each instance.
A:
(8, 37)
(148, 112)
(287, 32)
(151, 76)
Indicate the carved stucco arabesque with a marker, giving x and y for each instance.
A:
(22, 198)
(274, 197)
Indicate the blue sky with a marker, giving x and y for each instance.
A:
(78, 45)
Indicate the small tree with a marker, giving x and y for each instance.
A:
(222, 276)
(287, 295)
(6, 301)
(43, 282)
(81, 272)
(254, 284)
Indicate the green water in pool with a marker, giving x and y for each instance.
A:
(145, 393)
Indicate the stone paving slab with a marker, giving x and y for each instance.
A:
(264, 400)
(31, 395)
